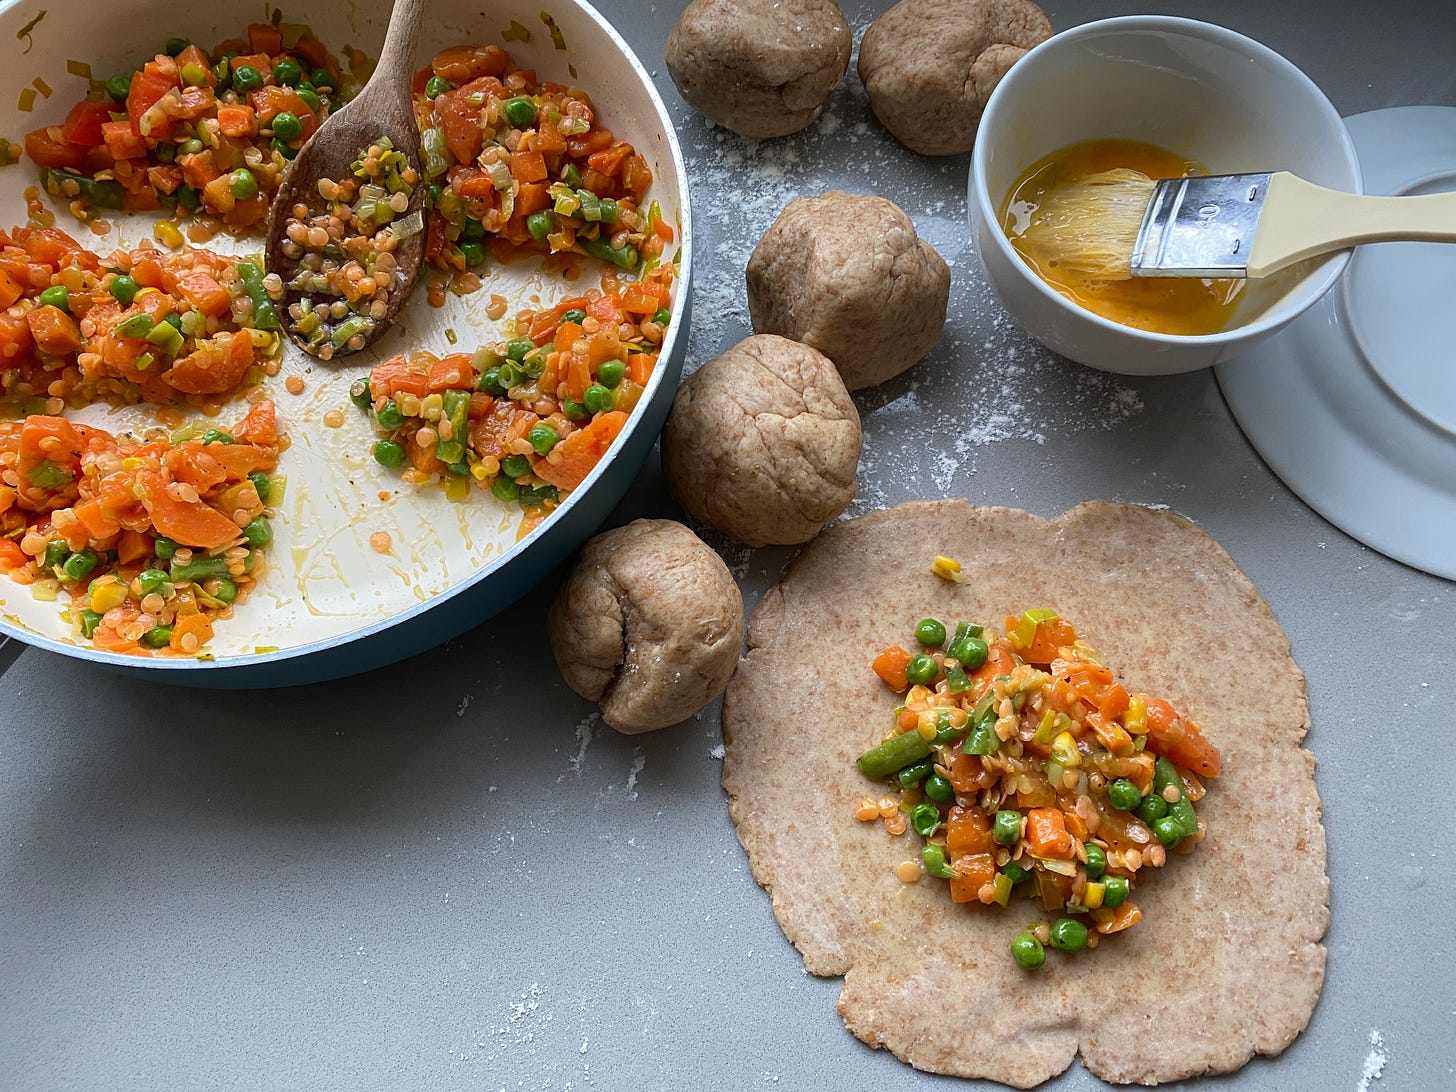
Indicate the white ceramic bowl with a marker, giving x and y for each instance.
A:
(1198, 90)
(330, 605)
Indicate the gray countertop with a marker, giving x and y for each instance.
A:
(449, 875)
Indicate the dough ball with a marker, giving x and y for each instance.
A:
(763, 68)
(763, 442)
(846, 274)
(648, 625)
(930, 65)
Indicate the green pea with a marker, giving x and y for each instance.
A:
(922, 669)
(123, 289)
(490, 382)
(1169, 831)
(283, 148)
(1114, 891)
(519, 112)
(389, 453)
(574, 411)
(663, 316)
(262, 485)
(164, 547)
(939, 789)
(473, 253)
(1123, 794)
(1027, 951)
(389, 416)
(216, 436)
(152, 580)
(118, 88)
(308, 95)
(1069, 935)
(1152, 808)
(166, 153)
(243, 184)
(924, 818)
(80, 564)
(435, 85)
(598, 399)
(515, 466)
(610, 373)
(226, 591)
(505, 489)
(157, 637)
(970, 651)
(191, 146)
(56, 296)
(56, 553)
(1007, 829)
(540, 225)
(1187, 818)
(188, 198)
(359, 394)
(435, 192)
(575, 315)
(1014, 872)
(247, 78)
(930, 633)
(287, 127)
(175, 46)
(933, 857)
(288, 72)
(321, 77)
(916, 772)
(473, 230)
(90, 620)
(258, 533)
(1096, 860)
(518, 347)
(542, 439)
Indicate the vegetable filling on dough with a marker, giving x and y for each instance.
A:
(1021, 759)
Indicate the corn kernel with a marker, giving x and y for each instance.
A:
(108, 595)
(167, 235)
(1064, 750)
(1092, 897)
(1135, 720)
(947, 568)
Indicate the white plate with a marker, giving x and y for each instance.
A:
(1354, 405)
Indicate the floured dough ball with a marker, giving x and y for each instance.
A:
(930, 65)
(763, 68)
(648, 625)
(846, 274)
(763, 442)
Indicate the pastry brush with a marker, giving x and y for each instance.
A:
(1121, 224)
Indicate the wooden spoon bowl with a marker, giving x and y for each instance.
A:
(383, 108)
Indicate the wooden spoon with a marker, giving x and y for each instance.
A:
(383, 108)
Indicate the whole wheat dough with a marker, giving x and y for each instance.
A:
(648, 624)
(763, 68)
(763, 442)
(847, 274)
(1227, 961)
(929, 66)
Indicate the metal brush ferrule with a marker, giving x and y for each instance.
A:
(1200, 227)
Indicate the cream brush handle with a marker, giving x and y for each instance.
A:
(1301, 220)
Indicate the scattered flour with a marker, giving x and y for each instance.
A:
(585, 732)
(464, 705)
(1374, 1061)
(639, 762)
(717, 752)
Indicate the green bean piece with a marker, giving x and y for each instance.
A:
(1027, 951)
(56, 552)
(1186, 817)
(946, 730)
(505, 489)
(90, 620)
(893, 755)
(956, 681)
(1165, 774)
(1014, 872)
(457, 412)
(924, 818)
(626, 257)
(540, 225)
(80, 565)
(199, 568)
(265, 315)
(916, 773)
(982, 741)
(138, 325)
(933, 857)
(436, 86)
(157, 637)
(164, 547)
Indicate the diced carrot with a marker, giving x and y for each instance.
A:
(133, 546)
(528, 166)
(193, 55)
(570, 461)
(643, 298)
(1115, 921)
(1046, 833)
(53, 247)
(271, 101)
(1050, 636)
(461, 64)
(258, 59)
(533, 197)
(451, 373)
(265, 38)
(584, 144)
(549, 140)
(1113, 702)
(578, 377)
(313, 51)
(1110, 734)
(55, 332)
(199, 168)
(480, 404)
(15, 340)
(260, 426)
(1076, 825)
(10, 291)
(505, 422)
(237, 121)
(1179, 739)
(197, 625)
(605, 345)
(973, 871)
(458, 115)
(967, 830)
(47, 148)
(999, 661)
(472, 182)
(639, 367)
(1052, 889)
(200, 288)
(192, 523)
(240, 460)
(193, 463)
(148, 272)
(217, 366)
(636, 177)
(663, 230)
(890, 665)
(98, 523)
(11, 555)
(610, 161)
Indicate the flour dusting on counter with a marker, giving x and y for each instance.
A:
(1375, 1061)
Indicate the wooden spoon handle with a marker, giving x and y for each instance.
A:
(1301, 220)
(397, 58)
